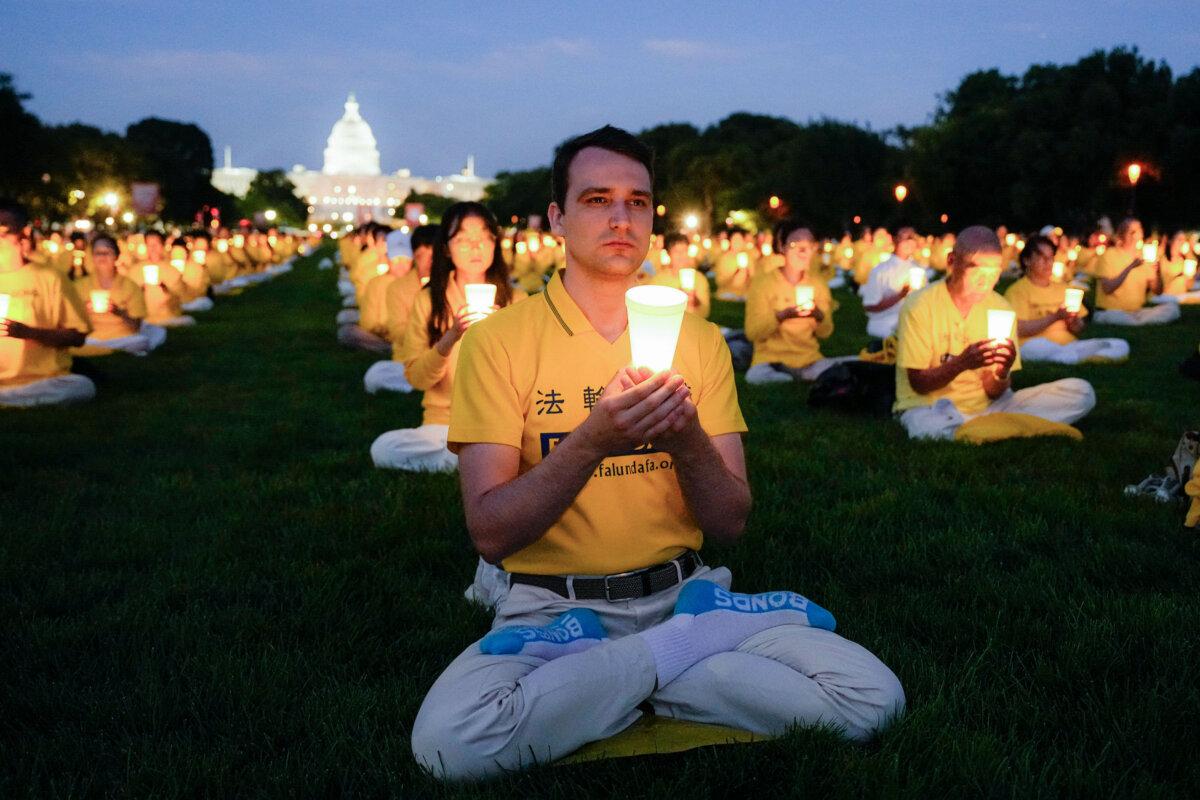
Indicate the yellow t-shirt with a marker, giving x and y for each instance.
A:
(373, 312)
(1173, 280)
(1033, 302)
(1132, 293)
(398, 301)
(932, 330)
(530, 374)
(427, 370)
(703, 299)
(42, 298)
(731, 276)
(124, 294)
(163, 300)
(794, 342)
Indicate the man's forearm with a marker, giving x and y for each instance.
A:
(924, 381)
(57, 337)
(519, 512)
(1032, 327)
(718, 499)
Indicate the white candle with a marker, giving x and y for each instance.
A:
(480, 297)
(655, 315)
(381, 268)
(534, 244)
(687, 279)
(150, 274)
(1073, 300)
(222, 245)
(743, 260)
(424, 279)
(100, 301)
(766, 249)
(1058, 270)
(178, 264)
(200, 256)
(1150, 252)
(1000, 323)
(1189, 268)
(663, 257)
(5, 302)
(916, 278)
(805, 298)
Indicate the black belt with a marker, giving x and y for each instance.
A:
(621, 586)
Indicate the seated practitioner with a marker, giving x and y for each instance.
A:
(870, 256)
(888, 284)
(786, 336)
(370, 332)
(467, 252)
(371, 261)
(398, 302)
(610, 607)
(196, 279)
(1177, 272)
(40, 318)
(1124, 280)
(947, 369)
(734, 269)
(115, 306)
(676, 246)
(1047, 330)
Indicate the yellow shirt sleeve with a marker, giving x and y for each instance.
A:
(424, 366)
(485, 405)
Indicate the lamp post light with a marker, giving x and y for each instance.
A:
(1134, 173)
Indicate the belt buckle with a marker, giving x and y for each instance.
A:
(608, 589)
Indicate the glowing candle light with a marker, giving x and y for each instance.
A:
(848, 252)
(1058, 270)
(178, 263)
(1189, 268)
(5, 302)
(222, 245)
(693, 250)
(926, 252)
(381, 268)
(916, 278)
(663, 258)
(655, 315)
(1000, 323)
(1073, 300)
(1150, 252)
(522, 247)
(150, 274)
(767, 249)
(1010, 239)
(743, 260)
(424, 279)
(548, 241)
(724, 244)
(239, 240)
(506, 244)
(52, 247)
(480, 297)
(1072, 255)
(535, 244)
(200, 256)
(883, 257)
(707, 244)
(687, 279)
(100, 301)
(805, 298)
(1100, 249)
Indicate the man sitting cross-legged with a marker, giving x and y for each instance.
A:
(1124, 282)
(948, 370)
(40, 318)
(609, 605)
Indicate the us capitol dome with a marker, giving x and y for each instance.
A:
(351, 188)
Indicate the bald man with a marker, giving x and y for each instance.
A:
(949, 370)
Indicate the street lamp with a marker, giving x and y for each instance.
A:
(1134, 173)
(691, 221)
(901, 192)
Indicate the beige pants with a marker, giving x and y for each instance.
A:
(488, 714)
(1068, 400)
(1152, 315)
(49, 391)
(1042, 349)
(420, 449)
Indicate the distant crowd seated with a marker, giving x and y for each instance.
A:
(1125, 281)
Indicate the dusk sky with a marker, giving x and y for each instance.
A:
(437, 81)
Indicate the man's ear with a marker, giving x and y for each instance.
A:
(555, 214)
(951, 261)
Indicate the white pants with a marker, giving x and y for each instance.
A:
(1152, 315)
(49, 391)
(882, 328)
(1067, 400)
(181, 321)
(837, 281)
(345, 287)
(356, 337)
(420, 449)
(1042, 349)
(349, 301)
(386, 376)
(1186, 299)
(148, 337)
(489, 587)
(487, 714)
(765, 373)
(348, 316)
(199, 304)
(325, 263)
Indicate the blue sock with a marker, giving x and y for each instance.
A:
(701, 597)
(571, 632)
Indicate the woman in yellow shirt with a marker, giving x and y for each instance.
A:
(1177, 272)
(785, 330)
(115, 305)
(468, 252)
(1046, 329)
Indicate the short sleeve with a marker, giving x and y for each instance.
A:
(486, 406)
(717, 406)
(914, 349)
(71, 312)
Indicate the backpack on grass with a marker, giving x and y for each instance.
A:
(856, 387)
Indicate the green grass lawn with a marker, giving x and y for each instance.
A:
(206, 589)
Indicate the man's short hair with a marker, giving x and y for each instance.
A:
(154, 234)
(734, 230)
(13, 215)
(973, 240)
(785, 229)
(906, 232)
(672, 239)
(609, 138)
(424, 236)
(1126, 224)
(1031, 247)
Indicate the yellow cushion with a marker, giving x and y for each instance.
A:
(651, 734)
(998, 426)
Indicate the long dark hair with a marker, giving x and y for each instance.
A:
(442, 268)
